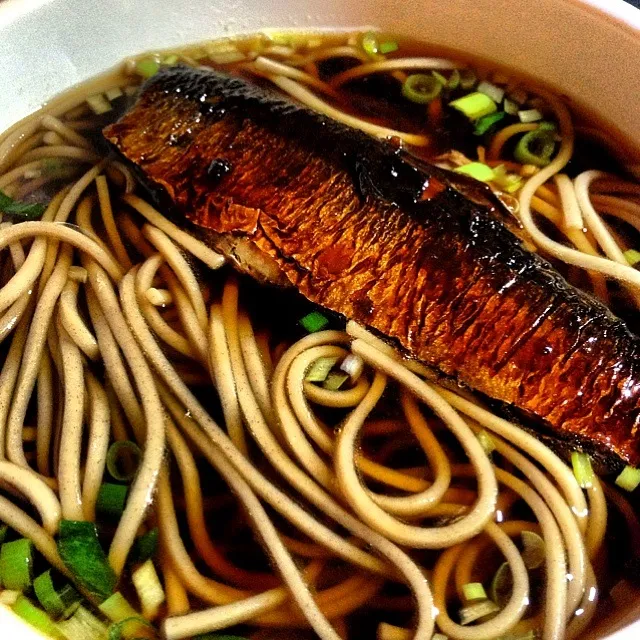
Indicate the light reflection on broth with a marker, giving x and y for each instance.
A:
(245, 476)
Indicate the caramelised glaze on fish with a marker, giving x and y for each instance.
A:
(295, 198)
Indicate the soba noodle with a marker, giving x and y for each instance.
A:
(381, 491)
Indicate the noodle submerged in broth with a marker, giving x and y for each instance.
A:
(178, 459)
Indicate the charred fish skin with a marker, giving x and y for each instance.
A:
(357, 227)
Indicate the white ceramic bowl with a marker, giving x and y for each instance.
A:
(588, 49)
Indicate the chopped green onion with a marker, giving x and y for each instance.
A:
(24, 210)
(632, 257)
(629, 479)
(477, 611)
(145, 546)
(116, 607)
(4, 529)
(529, 115)
(16, 564)
(476, 170)
(149, 588)
(474, 591)
(501, 585)
(113, 93)
(370, 43)
(83, 556)
(510, 107)
(486, 122)
(58, 604)
(37, 618)
(128, 623)
(421, 88)
(319, 370)
(112, 498)
(99, 104)
(335, 380)
(135, 627)
(147, 67)
(468, 78)
(123, 460)
(508, 182)
(440, 78)
(582, 469)
(389, 46)
(169, 61)
(475, 105)
(486, 441)
(491, 90)
(8, 598)
(536, 147)
(533, 552)
(314, 321)
(353, 365)
(454, 80)
(83, 625)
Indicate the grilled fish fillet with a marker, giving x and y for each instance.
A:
(356, 226)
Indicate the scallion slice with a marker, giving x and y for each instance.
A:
(37, 618)
(422, 88)
(335, 380)
(314, 321)
(476, 170)
(486, 441)
(135, 627)
(494, 92)
(454, 80)
(475, 105)
(127, 622)
(57, 603)
(477, 611)
(486, 122)
(370, 43)
(629, 479)
(17, 209)
(123, 460)
(4, 529)
(474, 591)
(147, 67)
(353, 365)
(533, 552)
(510, 107)
(632, 257)
(582, 469)
(83, 625)
(169, 61)
(319, 370)
(16, 564)
(145, 546)
(149, 588)
(112, 499)
(113, 93)
(501, 585)
(529, 115)
(536, 147)
(388, 46)
(83, 556)
(99, 104)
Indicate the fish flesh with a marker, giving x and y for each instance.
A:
(417, 254)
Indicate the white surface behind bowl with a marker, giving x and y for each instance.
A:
(589, 49)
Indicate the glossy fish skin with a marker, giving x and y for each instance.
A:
(359, 228)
